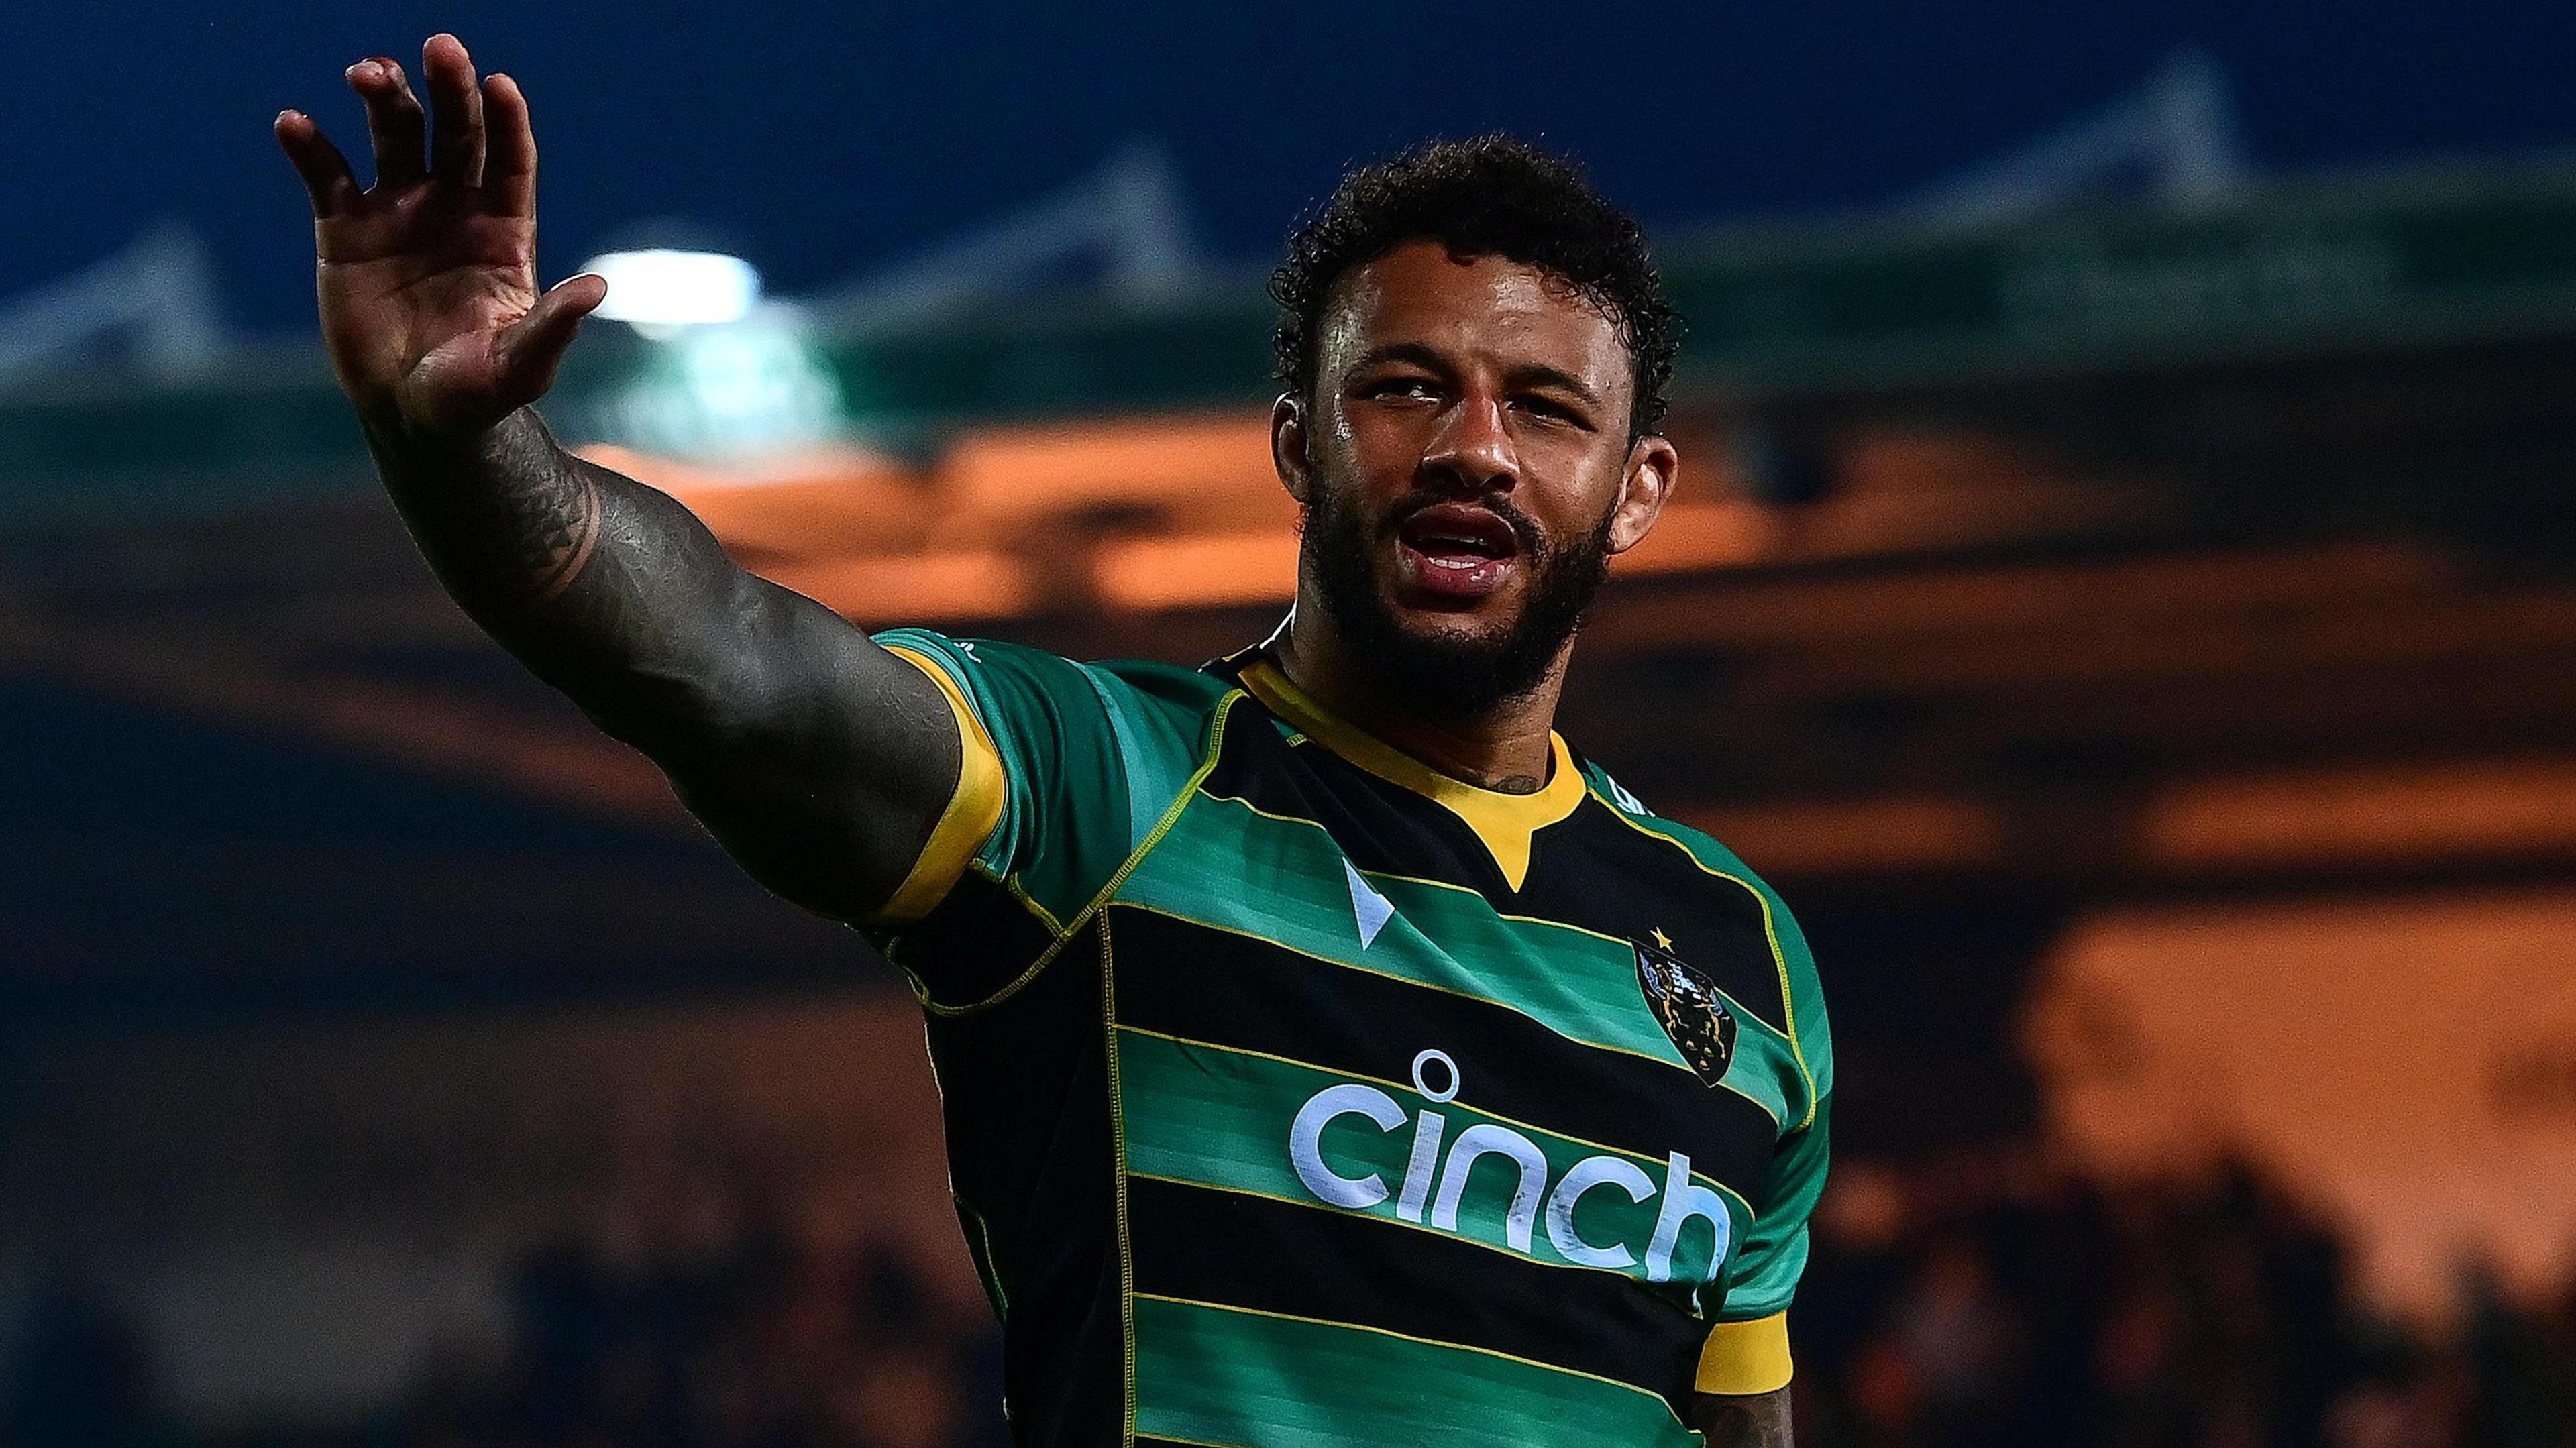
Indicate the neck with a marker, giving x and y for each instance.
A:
(1502, 746)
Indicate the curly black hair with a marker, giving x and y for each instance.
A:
(1489, 196)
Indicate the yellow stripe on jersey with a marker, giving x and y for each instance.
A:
(973, 809)
(1746, 1357)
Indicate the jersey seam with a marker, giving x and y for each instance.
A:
(1118, 1138)
(1010, 885)
(1779, 956)
(1131, 760)
(986, 1264)
(1189, 788)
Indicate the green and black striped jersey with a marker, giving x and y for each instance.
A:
(1297, 1094)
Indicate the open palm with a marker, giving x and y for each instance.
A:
(427, 280)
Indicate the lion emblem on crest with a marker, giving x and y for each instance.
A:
(1690, 1009)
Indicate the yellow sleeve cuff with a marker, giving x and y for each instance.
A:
(1742, 1358)
(973, 809)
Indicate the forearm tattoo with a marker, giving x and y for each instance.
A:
(607, 589)
(819, 760)
(509, 526)
(512, 524)
(559, 532)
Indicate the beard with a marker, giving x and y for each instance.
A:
(1448, 676)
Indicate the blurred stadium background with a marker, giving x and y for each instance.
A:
(2120, 591)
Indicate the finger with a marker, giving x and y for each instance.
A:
(393, 120)
(510, 165)
(455, 111)
(327, 181)
(531, 348)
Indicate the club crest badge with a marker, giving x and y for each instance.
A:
(1688, 1006)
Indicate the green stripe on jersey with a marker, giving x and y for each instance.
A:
(1577, 983)
(1223, 1376)
(1210, 1116)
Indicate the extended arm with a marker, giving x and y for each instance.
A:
(820, 760)
(1759, 1420)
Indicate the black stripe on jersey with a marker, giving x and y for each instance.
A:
(1592, 868)
(1186, 980)
(1032, 1156)
(1380, 825)
(1314, 1261)
(1595, 869)
(975, 942)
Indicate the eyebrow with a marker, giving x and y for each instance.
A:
(1527, 374)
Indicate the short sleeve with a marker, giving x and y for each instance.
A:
(1766, 1272)
(1042, 804)
(1748, 1347)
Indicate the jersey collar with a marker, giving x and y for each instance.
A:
(1505, 823)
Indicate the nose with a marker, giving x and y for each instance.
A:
(1472, 452)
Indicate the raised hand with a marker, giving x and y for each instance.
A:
(427, 280)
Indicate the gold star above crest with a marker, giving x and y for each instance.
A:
(1662, 941)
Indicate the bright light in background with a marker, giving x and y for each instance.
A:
(744, 388)
(731, 375)
(665, 288)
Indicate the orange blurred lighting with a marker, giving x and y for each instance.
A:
(842, 500)
(1824, 837)
(2435, 811)
(1207, 472)
(1703, 535)
(1167, 573)
(908, 588)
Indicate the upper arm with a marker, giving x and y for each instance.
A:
(820, 760)
(823, 763)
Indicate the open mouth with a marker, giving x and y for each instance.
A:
(1457, 549)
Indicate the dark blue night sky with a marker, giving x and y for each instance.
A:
(823, 139)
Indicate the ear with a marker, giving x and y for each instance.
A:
(1288, 445)
(1652, 464)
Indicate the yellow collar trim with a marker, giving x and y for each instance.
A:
(1506, 823)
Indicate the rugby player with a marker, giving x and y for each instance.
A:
(1329, 1053)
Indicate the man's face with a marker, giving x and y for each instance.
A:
(1466, 470)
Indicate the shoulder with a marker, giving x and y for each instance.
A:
(1802, 992)
(1128, 694)
(1087, 758)
(1108, 744)
(1164, 688)
(1703, 849)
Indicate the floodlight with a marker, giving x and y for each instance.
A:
(665, 288)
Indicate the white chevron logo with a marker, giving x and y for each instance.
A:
(1370, 908)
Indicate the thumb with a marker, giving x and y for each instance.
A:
(530, 349)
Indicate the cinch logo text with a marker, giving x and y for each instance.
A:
(1435, 1184)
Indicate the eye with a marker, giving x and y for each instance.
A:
(1549, 410)
(1399, 388)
